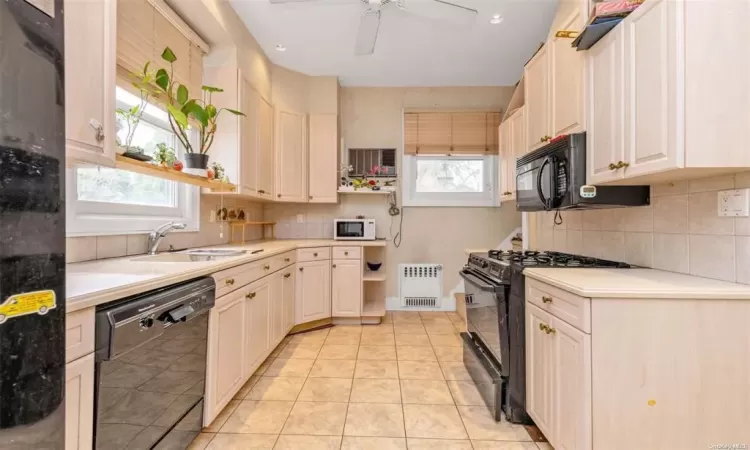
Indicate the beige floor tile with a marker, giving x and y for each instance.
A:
(433, 421)
(383, 339)
(419, 370)
(374, 420)
(345, 330)
(439, 444)
(256, 417)
(455, 371)
(291, 368)
(300, 351)
(465, 393)
(222, 417)
(276, 388)
(426, 392)
(318, 419)
(326, 390)
(501, 445)
(452, 354)
(413, 340)
(242, 393)
(482, 426)
(409, 328)
(227, 441)
(338, 352)
(365, 390)
(263, 367)
(376, 369)
(436, 320)
(415, 354)
(372, 443)
(446, 340)
(329, 368)
(377, 330)
(202, 441)
(310, 337)
(544, 446)
(440, 328)
(353, 339)
(406, 317)
(377, 353)
(291, 442)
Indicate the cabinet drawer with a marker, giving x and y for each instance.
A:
(79, 334)
(569, 307)
(232, 279)
(280, 261)
(347, 252)
(313, 254)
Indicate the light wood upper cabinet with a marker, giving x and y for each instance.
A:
(79, 403)
(90, 61)
(258, 319)
(324, 157)
(265, 165)
(567, 74)
(346, 288)
(249, 138)
(506, 151)
(605, 97)
(288, 296)
(539, 369)
(537, 99)
(291, 157)
(313, 291)
(513, 146)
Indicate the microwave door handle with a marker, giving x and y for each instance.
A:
(539, 190)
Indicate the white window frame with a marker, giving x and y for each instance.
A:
(89, 218)
(486, 198)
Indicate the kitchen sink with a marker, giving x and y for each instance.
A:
(198, 255)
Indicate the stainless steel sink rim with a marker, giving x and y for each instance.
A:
(212, 254)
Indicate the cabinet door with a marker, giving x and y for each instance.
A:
(324, 157)
(346, 288)
(226, 352)
(536, 93)
(566, 75)
(90, 57)
(288, 297)
(249, 138)
(265, 162)
(291, 157)
(651, 88)
(278, 326)
(79, 403)
(258, 323)
(571, 387)
(606, 94)
(505, 154)
(539, 369)
(313, 291)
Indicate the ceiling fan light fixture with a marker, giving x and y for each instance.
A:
(280, 48)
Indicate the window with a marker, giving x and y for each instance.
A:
(106, 201)
(437, 180)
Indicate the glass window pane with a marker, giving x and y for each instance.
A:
(120, 186)
(450, 175)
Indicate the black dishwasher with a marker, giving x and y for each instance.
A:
(151, 367)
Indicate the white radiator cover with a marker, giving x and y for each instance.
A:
(420, 286)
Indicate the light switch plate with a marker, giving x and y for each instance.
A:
(734, 203)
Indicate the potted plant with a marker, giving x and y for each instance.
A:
(130, 118)
(164, 155)
(181, 107)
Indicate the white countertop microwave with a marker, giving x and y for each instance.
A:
(354, 229)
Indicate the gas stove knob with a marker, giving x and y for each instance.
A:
(146, 323)
(485, 264)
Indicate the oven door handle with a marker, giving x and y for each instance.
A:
(476, 281)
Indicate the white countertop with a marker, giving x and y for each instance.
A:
(93, 283)
(637, 283)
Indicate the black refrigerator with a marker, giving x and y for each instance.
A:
(32, 225)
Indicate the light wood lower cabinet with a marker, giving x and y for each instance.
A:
(539, 369)
(346, 288)
(277, 328)
(258, 319)
(288, 297)
(313, 291)
(79, 403)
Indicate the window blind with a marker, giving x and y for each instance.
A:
(143, 31)
(451, 133)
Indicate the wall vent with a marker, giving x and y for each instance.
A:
(420, 286)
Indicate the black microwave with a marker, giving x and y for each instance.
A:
(554, 177)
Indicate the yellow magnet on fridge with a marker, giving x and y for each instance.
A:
(651, 402)
(37, 302)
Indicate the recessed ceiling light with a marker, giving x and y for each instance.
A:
(496, 19)
(280, 48)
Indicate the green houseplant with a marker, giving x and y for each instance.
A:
(181, 107)
(130, 118)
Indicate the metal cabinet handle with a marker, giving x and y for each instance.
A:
(315, 254)
(334, 266)
(623, 164)
(250, 295)
(550, 330)
(310, 197)
(546, 299)
(612, 166)
(287, 259)
(229, 281)
(278, 195)
(543, 327)
(301, 269)
(261, 191)
(346, 253)
(287, 275)
(266, 267)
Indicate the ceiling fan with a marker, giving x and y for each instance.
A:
(370, 20)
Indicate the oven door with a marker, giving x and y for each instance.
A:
(486, 313)
(349, 229)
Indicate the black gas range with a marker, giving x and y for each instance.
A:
(494, 345)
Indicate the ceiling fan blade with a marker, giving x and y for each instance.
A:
(439, 9)
(368, 32)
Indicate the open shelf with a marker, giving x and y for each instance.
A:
(373, 276)
(144, 168)
(367, 192)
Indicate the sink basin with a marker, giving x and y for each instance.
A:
(192, 256)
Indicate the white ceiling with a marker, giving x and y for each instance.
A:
(411, 51)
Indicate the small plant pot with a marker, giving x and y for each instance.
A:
(374, 267)
(196, 164)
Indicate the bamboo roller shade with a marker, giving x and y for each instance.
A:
(441, 133)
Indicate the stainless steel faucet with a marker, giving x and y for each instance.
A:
(155, 237)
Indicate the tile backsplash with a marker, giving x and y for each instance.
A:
(79, 249)
(680, 231)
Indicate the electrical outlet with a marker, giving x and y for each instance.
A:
(300, 218)
(734, 203)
